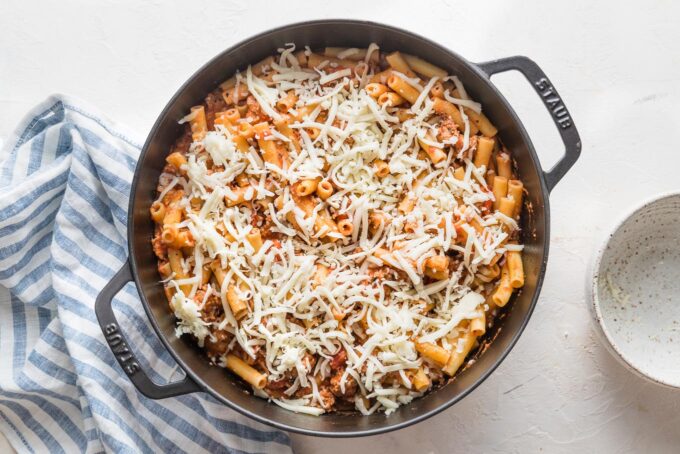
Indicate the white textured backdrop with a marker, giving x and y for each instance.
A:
(617, 66)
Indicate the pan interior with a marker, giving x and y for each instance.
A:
(320, 34)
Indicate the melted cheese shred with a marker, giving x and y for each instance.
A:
(375, 275)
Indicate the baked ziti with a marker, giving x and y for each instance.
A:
(338, 228)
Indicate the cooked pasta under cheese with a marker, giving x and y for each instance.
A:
(338, 228)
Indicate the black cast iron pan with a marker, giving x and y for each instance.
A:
(141, 265)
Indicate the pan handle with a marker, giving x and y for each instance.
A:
(121, 349)
(553, 102)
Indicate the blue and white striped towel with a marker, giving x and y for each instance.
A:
(64, 192)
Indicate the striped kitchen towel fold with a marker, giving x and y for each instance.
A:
(64, 191)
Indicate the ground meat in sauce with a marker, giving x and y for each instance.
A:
(327, 398)
(276, 388)
(455, 261)
(214, 103)
(447, 129)
(350, 385)
(339, 360)
(381, 273)
(260, 362)
(254, 109)
(267, 233)
(309, 361)
(303, 391)
(213, 311)
(256, 218)
(160, 249)
(470, 150)
(218, 346)
(486, 207)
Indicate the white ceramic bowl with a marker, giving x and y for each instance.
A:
(635, 291)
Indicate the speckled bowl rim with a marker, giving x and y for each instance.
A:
(592, 290)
